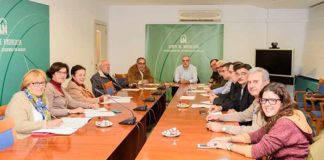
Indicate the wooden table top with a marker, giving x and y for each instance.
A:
(193, 131)
(89, 142)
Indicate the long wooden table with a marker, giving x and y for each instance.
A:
(193, 131)
(90, 142)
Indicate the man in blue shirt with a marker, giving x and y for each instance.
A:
(186, 73)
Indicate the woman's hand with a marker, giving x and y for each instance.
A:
(77, 110)
(220, 142)
(53, 123)
(94, 106)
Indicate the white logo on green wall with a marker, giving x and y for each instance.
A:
(3, 27)
(183, 39)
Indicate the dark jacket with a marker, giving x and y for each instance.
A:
(233, 99)
(98, 79)
(216, 80)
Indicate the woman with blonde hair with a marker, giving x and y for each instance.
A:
(286, 134)
(29, 107)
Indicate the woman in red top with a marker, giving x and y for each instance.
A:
(286, 135)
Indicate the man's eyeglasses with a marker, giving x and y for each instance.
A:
(272, 101)
(37, 84)
(241, 74)
(185, 60)
(141, 63)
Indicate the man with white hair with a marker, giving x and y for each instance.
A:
(257, 79)
(102, 77)
(186, 73)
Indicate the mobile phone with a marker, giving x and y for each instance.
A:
(205, 146)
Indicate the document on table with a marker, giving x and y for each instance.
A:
(187, 97)
(196, 91)
(205, 95)
(131, 89)
(117, 100)
(101, 112)
(150, 88)
(68, 126)
(200, 105)
(205, 102)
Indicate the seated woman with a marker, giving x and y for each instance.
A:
(29, 107)
(78, 90)
(60, 102)
(286, 134)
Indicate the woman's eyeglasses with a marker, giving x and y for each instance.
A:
(272, 101)
(37, 84)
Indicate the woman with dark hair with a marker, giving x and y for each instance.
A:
(60, 102)
(78, 90)
(286, 134)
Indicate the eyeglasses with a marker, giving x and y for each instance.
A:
(37, 84)
(185, 60)
(272, 101)
(241, 74)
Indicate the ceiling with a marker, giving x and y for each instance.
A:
(258, 3)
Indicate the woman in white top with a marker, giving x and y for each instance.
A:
(28, 107)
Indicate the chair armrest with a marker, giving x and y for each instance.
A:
(296, 93)
(314, 99)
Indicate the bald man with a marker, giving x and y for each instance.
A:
(101, 77)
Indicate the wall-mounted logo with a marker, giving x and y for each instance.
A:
(183, 39)
(3, 26)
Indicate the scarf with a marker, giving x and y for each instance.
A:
(38, 103)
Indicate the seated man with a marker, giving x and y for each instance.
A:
(257, 79)
(216, 80)
(226, 74)
(139, 73)
(102, 77)
(186, 73)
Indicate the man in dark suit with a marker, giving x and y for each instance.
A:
(238, 99)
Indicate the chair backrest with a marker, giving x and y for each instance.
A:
(321, 86)
(7, 133)
(121, 79)
(2, 111)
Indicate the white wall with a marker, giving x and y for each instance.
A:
(313, 64)
(72, 31)
(245, 29)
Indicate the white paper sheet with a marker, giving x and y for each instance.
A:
(187, 97)
(117, 100)
(90, 113)
(68, 126)
(200, 105)
(205, 102)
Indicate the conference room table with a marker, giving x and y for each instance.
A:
(91, 142)
(192, 126)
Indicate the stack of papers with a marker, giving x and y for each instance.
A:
(150, 88)
(68, 126)
(101, 112)
(187, 97)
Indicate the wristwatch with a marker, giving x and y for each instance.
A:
(229, 146)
